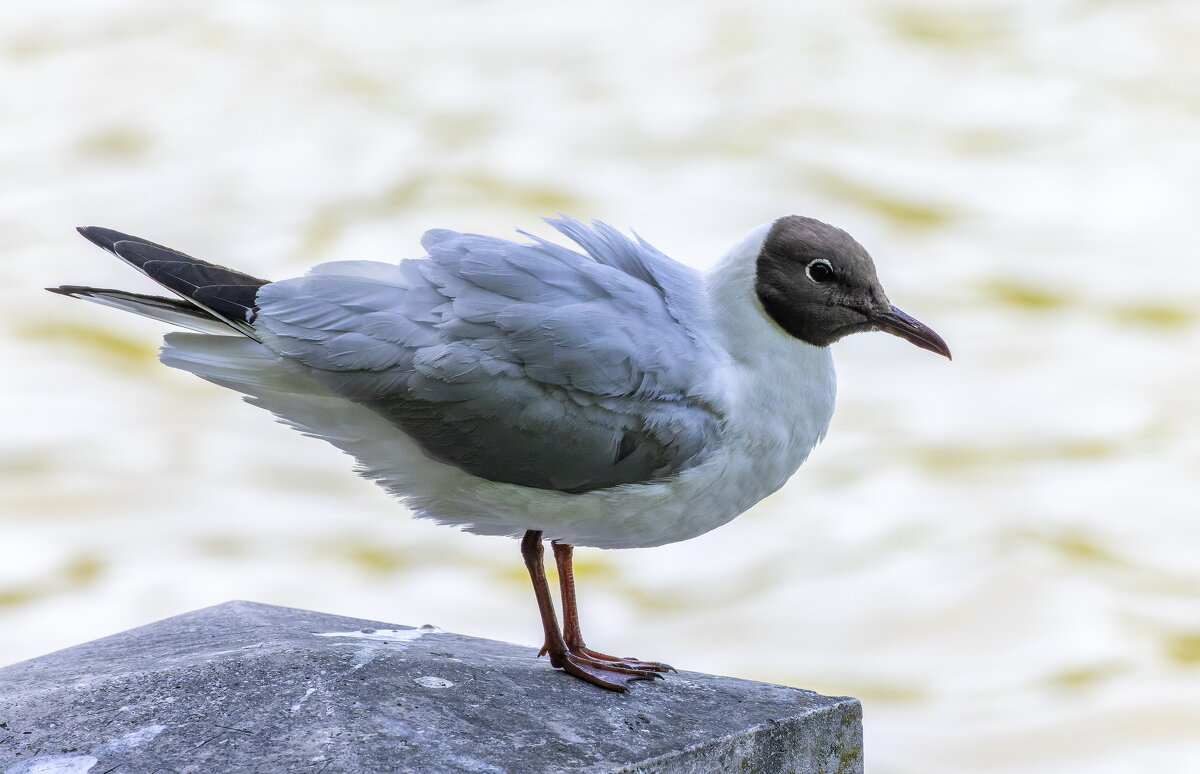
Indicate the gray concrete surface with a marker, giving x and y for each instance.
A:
(244, 687)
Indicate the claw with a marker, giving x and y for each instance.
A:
(606, 674)
(632, 663)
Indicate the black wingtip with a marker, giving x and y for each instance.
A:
(127, 248)
(74, 291)
(137, 253)
(101, 237)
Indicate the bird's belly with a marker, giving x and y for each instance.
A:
(775, 417)
(762, 447)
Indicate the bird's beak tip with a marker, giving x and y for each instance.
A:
(914, 331)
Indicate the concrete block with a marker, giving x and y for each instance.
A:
(244, 687)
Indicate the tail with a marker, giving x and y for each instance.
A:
(214, 299)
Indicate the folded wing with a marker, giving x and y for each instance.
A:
(529, 363)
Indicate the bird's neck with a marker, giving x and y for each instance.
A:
(782, 389)
(748, 333)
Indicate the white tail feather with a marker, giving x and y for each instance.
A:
(166, 310)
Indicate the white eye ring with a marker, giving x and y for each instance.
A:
(823, 275)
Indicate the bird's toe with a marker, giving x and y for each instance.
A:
(613, 675)
(626, 661)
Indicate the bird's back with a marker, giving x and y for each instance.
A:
(523, 363)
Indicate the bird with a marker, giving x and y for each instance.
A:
(600, 395)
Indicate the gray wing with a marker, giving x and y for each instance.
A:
(530, 364)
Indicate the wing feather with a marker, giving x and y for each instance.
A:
(526, 363)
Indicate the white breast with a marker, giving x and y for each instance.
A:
(777, 393)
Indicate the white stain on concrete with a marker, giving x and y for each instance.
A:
(55, 764)
(133, 739)
(429, 681)
(364, 656)
(82, 764)
(235, 650)
(386, 635)
(296, 707)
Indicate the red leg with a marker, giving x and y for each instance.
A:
(610, 675)
(572, 637)
(531, 551)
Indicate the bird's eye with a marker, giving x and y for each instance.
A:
(819, 271)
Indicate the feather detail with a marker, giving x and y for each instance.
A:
(525, 363)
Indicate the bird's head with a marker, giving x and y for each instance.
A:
(819, 285)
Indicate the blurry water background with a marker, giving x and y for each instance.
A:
(999, 555)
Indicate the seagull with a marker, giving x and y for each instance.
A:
(604, 396)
